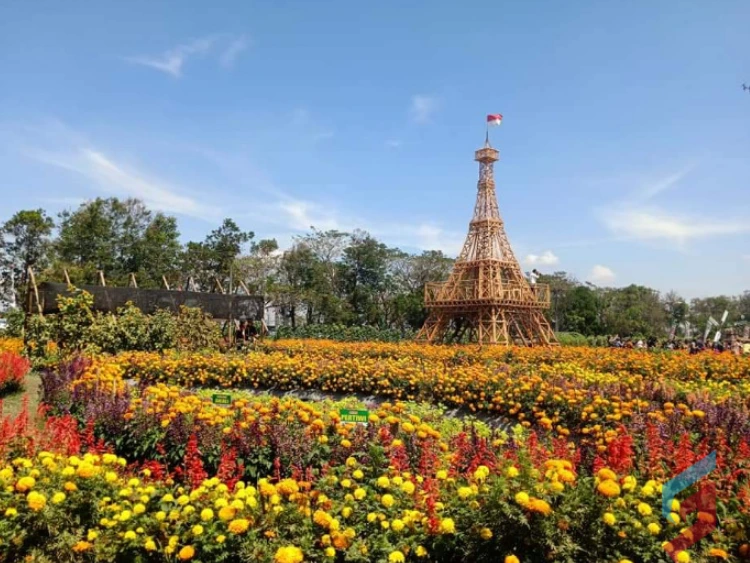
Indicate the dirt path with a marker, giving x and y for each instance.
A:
(13, 404)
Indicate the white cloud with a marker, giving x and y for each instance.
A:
(601, 275)
(655, 224)
(393, 143)
(636, 219)
(171, 61)
(547, 258)
(423, 108)
(653, 189)
(117, 179)
(233, 50)
(301, 215)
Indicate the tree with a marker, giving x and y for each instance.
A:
(633, 311)
(364, 269)
(409, 274)
(119, 237)
(294, 280)
(214, 258)
(24, 243)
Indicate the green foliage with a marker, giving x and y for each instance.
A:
(15, 319)
(75, 320)
(345, 333)
(196, 330)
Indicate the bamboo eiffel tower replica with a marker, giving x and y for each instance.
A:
(487, 298)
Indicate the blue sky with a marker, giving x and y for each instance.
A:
(624, 145)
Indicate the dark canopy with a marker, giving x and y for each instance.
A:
(109, 299)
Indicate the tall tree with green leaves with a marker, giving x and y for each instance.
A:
(213, 259)
(25, 242)
(119, 237)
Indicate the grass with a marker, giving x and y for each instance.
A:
(13, 404)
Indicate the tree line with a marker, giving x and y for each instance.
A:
(325, 277)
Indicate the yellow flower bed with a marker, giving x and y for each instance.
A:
(564, 396)
(14, 345)
(351, 511)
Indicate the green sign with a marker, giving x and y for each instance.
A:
(221, 399)
(359, 417)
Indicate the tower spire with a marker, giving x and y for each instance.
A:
(486, 297)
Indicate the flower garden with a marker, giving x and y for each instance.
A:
(129, 459)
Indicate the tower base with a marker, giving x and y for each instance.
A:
(494, 325)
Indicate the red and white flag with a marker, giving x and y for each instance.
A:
(494, 119)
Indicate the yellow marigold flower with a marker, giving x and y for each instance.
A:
(654, 528)
(221, 538)
(125, 515)
(81, 546)
(36, 501)
(442, 475)
(92, 535)
(68, 471)
(397, 525)
(522, 498)
(384, 482)
(207, 514)
(289, 554)
(346, 511)
(387, 500)
(608, 488)
(396, 557)
(511, 472)
(360, 493)
(485, 533)
(227, 513)
(447, 526)
(288, 487)
(130, 535)
(182, 500)
(606, 474)
(629, 483)
(609, 519)
(512, 559)
(149, 545)
(197, 530)
(239, 526)
(330, 552)
(25, 483)
(346, 483)
(139, 508)
(421, 551)
(465, 492)
(625, 561)
(186, 553)
(358, 474)
(540, 506)
(644, 509)
(11, 512)
(110, 476)
(674, 518)
(57, 498)
(160, 516)
(481, 473)
(86, 470)
(683, 557)
(408, 487)
(167, 498)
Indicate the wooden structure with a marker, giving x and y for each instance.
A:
(487, 299)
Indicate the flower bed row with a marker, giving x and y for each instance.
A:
(565, 398)
(656, 364)
(295, 484)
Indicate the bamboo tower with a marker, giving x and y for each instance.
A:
(486, 298)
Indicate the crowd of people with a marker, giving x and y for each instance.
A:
(694, 346)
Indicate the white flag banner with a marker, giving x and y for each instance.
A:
(712, 322)
(724, 317)
(717, 336)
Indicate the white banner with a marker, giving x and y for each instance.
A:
(717, 336)
(724, 317)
